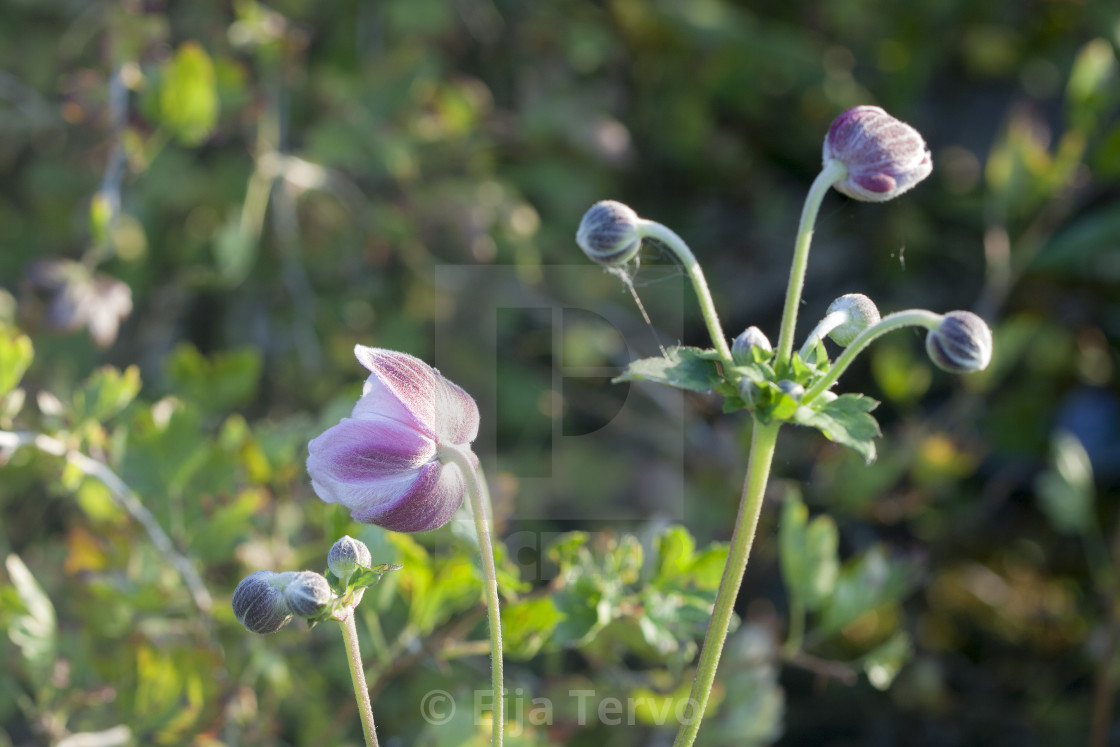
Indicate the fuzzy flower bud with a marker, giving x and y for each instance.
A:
(860, 313)
(748, 339)
(346, 555)
(307, 593)
(383, 462)
(962, 343)
(259, 604)
(884, 157)
(608, 233)
(792, 389)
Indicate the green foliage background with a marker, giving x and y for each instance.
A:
(273, 184)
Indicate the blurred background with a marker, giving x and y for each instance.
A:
(206, 205)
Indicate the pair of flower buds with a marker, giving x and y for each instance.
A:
(265, 601)
(876, 158)
(961, 343)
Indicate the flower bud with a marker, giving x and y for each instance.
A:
(608, 233)
(861, 313)
(962, 343)
(307, 593)
(751, 337)
(346, 555)
(791, 388)
(259, 604)
(884, 156)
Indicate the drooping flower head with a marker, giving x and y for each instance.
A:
(382, 462)
(884, 156)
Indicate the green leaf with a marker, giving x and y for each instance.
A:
(188, 96)
(235, 251)
(33, 630)
(844, 420)
(16, 353)
(884, 663)
(527, 625)
(865, 583)
(810, 565)
(1092, 87)
(218, 382)
(680, 566)
(1065, 491)
(680, 367)
(106, 393)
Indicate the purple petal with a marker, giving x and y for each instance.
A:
(430, 503)
(405, 388)
(362, 462)
(401, 387)
(456, 415)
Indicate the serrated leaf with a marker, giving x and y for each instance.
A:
(527, 625)
(680, 367)
(217, 382)
(844, 420)
(106, 393)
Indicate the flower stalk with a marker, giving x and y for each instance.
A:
(832, 172)
(763, 441)
(684, 255)
(358, 676)
(479, 496)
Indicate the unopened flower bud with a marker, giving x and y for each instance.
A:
(346, 555)
(962, 343)
(751, 337)
(861, 313)
(307, 593)
(608, 233)
(259, 604)
(792, 389)
(884, 157)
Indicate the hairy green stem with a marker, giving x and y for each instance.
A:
(479, 497)
(763, 440)
(832, 172)
(684, 255)
(358, 677)
(897, 320)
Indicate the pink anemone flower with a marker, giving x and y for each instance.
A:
(383, 463)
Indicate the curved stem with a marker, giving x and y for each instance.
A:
(763, 440)
(479, 497)
(824, 326)
(684, 255)
(832, 172)
(358, 677)
(124, 497)
(897, 320)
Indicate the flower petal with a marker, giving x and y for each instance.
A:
(407, 389)
(362, 462)
(433, 499)
(401, 387)
(456, 417)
